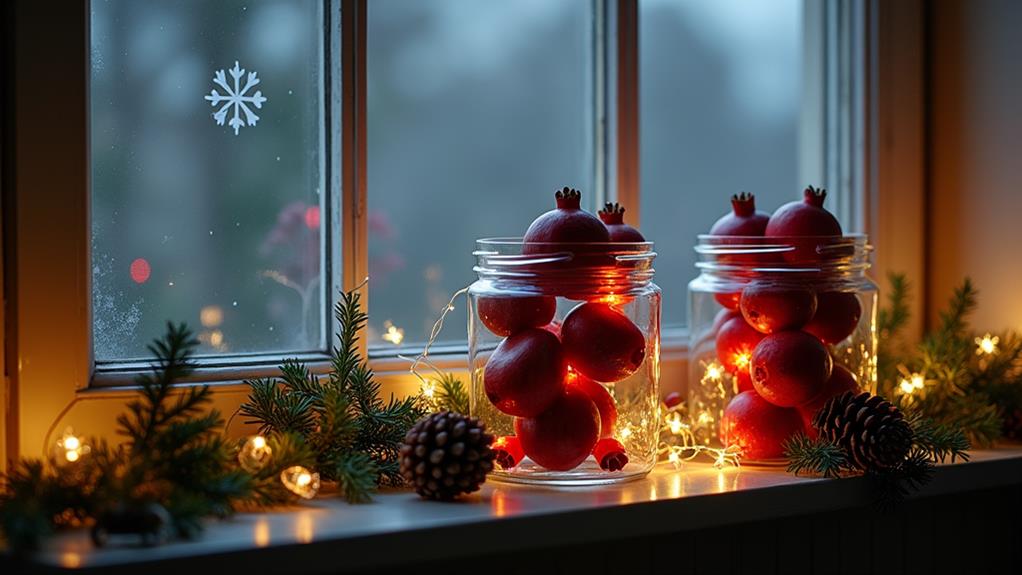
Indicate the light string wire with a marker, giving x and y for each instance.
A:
(425, 385)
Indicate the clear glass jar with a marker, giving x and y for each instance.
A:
(800, 295)
(554, 336)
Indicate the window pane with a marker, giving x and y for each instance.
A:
(477, 112)
(720, 90)
(207, 174)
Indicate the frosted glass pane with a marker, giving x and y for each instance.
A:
(207, 174)
(477, 111)
(720, 95)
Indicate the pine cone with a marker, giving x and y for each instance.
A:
(872, 431)
(446, 454)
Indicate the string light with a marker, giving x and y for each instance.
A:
(254, 454)
(987, 345)
(70, 447)
(394, 334)
(300, 481)
(427, 387)
(912, 383)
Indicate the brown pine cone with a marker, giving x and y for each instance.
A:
(872, 431)
(446, 454)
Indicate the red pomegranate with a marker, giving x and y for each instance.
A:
(736, 340)
(841, 380)
(743, 220)
(610, 454)
(600, 396)
(564, 435)
(770, 308)
(758, 427)
(837, 315)
(790, 367)
(507, 315)
(743, 380)
(730, 300)
(674, 398)
(568, 223)
(613, 216)
(525, 374)
(806, 218)
(601, 343)
(507, 451)
(721, 317)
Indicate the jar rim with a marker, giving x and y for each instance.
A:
(739, 255)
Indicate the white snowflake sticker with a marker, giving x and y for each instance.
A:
(236, 98)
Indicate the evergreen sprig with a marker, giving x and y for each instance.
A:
(978, 394)
(932, 443)
(173, 456)
(450, 394)
(353, 434)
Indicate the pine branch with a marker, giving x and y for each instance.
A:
(356, 475)
(893, 318)
(451, 394)
(938, 442)
(818, 456)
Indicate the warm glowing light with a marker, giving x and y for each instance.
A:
(261, 535)
(216, 338)
(715, 371)
(394, 334)
(211, 316)
(625, 432)
(304, 527)
(674, 423)
(612, 300)
(987, 345)
(300, 481)
(254, 454)
(429, 389)
(674, 458)
(912, 383)
(704, 418)
(71, 447)
(742, 360)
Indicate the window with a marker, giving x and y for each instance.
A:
(208, 208)
(477, 112)
(721, 89)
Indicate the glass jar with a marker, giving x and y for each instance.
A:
(564, 353)
(787, 323)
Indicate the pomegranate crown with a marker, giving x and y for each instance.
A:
(744, 204)
(815, 196)
(612, 213)
(568, 198)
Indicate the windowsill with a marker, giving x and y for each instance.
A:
(399, 528)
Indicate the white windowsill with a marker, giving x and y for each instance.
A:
(399, 528)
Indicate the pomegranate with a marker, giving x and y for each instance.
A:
(758, 427)
(525, 374)
(730, 300)
(600, 396)
(789, 368)
(564, 435)
(601, 343)
(507, 451)
(507, 315)
(610, 454)
(805, 218)
(770, 308)
(841, 380)
(721, 317)
(613, 216)
(743, 381)
(568, 223)
(735, 341)
(674, 398)
(743, 220)
(837, 315)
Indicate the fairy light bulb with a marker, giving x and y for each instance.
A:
(714, 371)
(254, 454)
(987, 345)
(674, 423)
(300, 481)
(70, 447)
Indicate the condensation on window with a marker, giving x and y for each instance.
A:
(207, 174)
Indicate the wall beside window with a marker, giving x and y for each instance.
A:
(975, 147)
